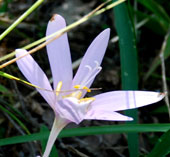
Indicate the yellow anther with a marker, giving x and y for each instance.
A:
(86, 88)
(77, 86)
(86, 99)
(58, 89)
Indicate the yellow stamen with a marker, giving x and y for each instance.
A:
(86, 88)
(58, 89)
(74, 94)
(78, 95)
(86, 99)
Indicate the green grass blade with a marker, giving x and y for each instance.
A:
(152, 21)
(129, 64)
(86, 131)
(21, 18)
(13, 110)
(3, 89)
(162, 148)
(8, 76)
(15, 118)
(158, 10)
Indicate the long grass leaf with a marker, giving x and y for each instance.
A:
(15, 118)
(129, 64)
(86, 131)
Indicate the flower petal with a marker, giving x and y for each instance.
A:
(123, 100)
(59, 54)
(94, 53)
(72, 109)
(35, 75)
(106, 115)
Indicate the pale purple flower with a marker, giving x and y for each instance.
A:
(68, 104)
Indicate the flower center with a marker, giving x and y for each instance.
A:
(77, 93)
(78, 90)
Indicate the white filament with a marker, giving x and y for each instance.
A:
(92, 72)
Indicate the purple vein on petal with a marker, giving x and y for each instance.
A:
(71, 109)
(59, 54)
(34, 74)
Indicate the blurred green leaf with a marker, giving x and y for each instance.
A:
(4, 5)
(161, 109)
(10, 108)
(2, 132)
(3, 89)
(153, 22)
(15, 118)
(86, 131)
(158, 10)
(162, 147)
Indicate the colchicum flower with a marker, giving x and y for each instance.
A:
(67, 99)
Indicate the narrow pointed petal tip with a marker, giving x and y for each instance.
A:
(107, 31)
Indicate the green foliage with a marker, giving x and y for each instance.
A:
(161, 109)
(158, 11)
(4, 6)
(162, 147)
(3, 89)
(15, 118)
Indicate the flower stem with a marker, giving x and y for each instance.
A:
(58, 124)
